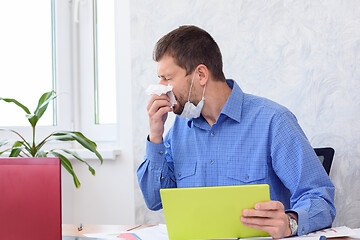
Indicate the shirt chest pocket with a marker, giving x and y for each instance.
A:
(246, 171)
(184, 170)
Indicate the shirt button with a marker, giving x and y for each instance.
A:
(246, 177)
(212, 134)
(161, 152)
(179, 174)
(212, 161)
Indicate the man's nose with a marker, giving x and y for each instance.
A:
(163, 82)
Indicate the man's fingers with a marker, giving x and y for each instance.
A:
(158, 105)
(274, 232)
(270, 205)
(154, 98)
(162, 111)
(259, 213)
(157, 121)
(261, 221)
(269, 217)
(159, 116)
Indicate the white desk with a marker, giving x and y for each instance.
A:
(72, 229)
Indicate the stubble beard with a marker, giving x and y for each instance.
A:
(179, 107)
(181, 101)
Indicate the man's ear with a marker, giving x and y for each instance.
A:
(203, 74)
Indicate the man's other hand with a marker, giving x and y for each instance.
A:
(269, 217)
(157, 108)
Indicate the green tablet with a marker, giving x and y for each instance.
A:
(211, 212)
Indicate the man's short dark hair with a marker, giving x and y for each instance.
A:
(191, 46)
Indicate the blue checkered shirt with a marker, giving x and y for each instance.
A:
(254, 141)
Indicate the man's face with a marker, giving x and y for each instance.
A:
(170, 73)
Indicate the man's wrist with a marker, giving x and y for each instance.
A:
(156, 140)
(293, 214)
(293, 222)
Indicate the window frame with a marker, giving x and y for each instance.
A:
(88, 70)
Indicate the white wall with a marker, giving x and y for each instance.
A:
(302, 54)
(106, 198)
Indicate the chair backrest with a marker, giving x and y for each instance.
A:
(325, 156)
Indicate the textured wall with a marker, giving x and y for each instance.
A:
(302, 54)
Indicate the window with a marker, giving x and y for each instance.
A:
(26, 59)
(68, 46)
(95, 46)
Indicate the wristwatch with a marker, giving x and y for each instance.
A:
(293, 224)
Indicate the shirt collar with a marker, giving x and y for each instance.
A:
(232, 107)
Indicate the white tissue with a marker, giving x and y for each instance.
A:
(159, 89)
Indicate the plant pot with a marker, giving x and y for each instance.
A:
(30, 198)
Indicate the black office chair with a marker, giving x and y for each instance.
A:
(325, 156)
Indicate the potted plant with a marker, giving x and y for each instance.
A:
(24, 148)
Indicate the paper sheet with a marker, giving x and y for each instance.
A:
(329, 232)
(158, 232)
(356, 233)
(332, 232)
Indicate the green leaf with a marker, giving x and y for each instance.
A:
(17, 144)
(43, 103)
(33, 119)
(11, 100)
(24, 141)
(68, 166)
(4, 143)
(62, 138)
(41, 107)
(52, 138)
(16, 149)
(15, 152)
(74, 135)
(41, 153)
(80, 159)
(84, 141)
(6, 150)
(42, 143)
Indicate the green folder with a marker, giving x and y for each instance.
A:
(211, 212)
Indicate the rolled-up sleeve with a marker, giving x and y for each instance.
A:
(296, 164)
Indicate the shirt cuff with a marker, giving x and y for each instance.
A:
(303, 221)
(155, 153)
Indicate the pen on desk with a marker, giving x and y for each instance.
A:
(80, 227)
(322, 238)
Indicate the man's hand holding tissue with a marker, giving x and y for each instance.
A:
(157, 108)
(161, 102)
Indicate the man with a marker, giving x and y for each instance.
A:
(230, 138)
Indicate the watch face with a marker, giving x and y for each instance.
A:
(293, 224)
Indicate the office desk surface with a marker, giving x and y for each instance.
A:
(72, 229)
